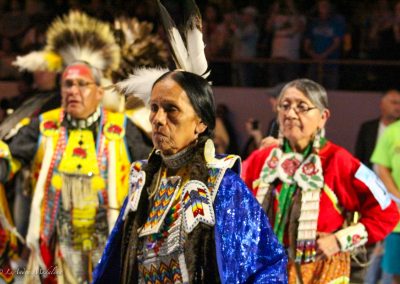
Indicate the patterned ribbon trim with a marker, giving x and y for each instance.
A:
(291, 169)
(197, 205)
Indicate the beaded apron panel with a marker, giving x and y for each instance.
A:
(160, 256)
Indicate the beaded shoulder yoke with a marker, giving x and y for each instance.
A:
(196, 199)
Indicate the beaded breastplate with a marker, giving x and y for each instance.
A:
(179, 204)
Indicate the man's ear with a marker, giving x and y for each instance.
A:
(200, 127)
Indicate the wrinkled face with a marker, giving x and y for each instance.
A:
(299, 118)
(390, 105)
(80, 94)
(174, 122)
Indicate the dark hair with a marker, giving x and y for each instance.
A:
(199, 245)
(199, 93)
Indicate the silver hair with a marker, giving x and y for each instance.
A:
(96, 72)
(312, 90)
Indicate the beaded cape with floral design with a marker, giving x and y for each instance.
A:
(292, 169)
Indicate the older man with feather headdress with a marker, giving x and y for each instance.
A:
(80, 155)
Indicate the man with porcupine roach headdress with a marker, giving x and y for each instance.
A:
(81, 154)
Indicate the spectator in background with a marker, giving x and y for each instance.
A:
(13, 23)
(35, 37)
(371, 130)
(286, 26)
(227, 4)
(264, 45)
(218, 38)
(380, 19)
(368, 135)
(211, 20)
(246, 35)
(255, 135)
(273, 94)
(224, 133)
(386, 156)
(323, 41)
(386, 32)
(396, 31)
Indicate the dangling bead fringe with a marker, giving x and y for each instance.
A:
(77, 192)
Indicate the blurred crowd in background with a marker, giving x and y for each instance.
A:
(343, 45)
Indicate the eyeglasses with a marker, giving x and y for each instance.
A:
(81, 84)
(300, 108)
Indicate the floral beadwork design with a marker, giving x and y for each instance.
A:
(79, 152)
(50, 125)
(290, 166)
(311, 173)
(352, 237)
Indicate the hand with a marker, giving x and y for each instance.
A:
(327, 245)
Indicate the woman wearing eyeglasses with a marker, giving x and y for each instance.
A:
(307, 185)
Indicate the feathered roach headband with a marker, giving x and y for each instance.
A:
(188, 54)
(71, 38)
(140, 46)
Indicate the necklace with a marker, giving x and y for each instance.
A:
(151, 190)
(84, 123)
(179, 159)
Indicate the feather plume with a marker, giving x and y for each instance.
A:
(196, 52)
(73, 53)
(189, 57)
(140, 46)
(194, 39)
(179, 51)
(77, 36)
(31, 62)
(39, 61)
(140, 83)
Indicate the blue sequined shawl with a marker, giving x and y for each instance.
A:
(247, 249)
